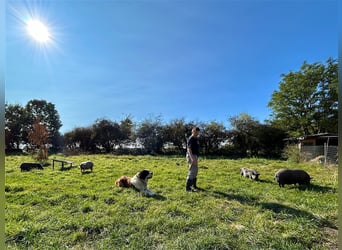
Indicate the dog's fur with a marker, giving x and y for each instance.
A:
(138, 181)
(86, 165)
(249, 173)
(124, 181)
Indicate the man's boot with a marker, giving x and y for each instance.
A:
(188, 185)
(195, 185)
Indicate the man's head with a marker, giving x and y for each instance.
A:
(195, 131)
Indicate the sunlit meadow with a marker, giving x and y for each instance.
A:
(65, 209)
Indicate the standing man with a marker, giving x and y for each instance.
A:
(192, 157)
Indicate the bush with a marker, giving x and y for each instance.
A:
(293, 154)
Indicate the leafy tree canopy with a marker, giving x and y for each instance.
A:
(306, 102)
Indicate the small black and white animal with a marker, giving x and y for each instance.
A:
(292, 176)
(27, 166)
(86, 165)
(138, 181)
(249, 173)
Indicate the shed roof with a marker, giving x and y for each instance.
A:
(322, 135)
(317, 136)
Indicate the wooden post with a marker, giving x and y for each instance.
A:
(325, 153)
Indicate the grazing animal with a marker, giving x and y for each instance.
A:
(138, 181)
(249, 173)
(86, 165)
(292, 176)
(27, 166)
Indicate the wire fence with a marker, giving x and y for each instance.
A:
(323, 154)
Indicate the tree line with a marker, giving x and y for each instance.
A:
(151, 136)
(306, 103)
(248, 137)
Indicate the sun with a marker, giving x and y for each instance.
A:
(38, 31)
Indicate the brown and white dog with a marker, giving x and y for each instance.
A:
(124, 181)
(138, 181)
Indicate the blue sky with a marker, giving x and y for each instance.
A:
(198, 60)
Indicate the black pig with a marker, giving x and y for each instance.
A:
(27, 166)
(292, 176)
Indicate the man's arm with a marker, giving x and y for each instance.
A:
(191, 156)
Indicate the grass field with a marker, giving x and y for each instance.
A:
(54, 209)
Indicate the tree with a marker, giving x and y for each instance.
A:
(15, 126)
(243, 136)
(270, 141)
(39, 138)
(175, 133)
(79, 138)
(150, 135)
(328, 96)
(106, 134)
(251, 138)
(212, 137)
(306, 102)
(126, 129)
(41, 109)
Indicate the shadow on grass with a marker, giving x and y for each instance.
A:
(155, 196)
(275, 207)
(65, 169)
(317, 188)
(283, 209)
(243, 199)
(311, 187)
(86, 172)
(158, 197)
(279, 208)
(198, 189)
(266, 181)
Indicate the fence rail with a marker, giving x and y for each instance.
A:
(323, 154)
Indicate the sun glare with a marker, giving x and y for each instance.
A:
(35, 26)
(38, 31)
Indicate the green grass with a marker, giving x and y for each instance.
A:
(54, 209)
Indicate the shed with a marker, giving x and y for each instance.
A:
(321, 146)
(328, 139)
